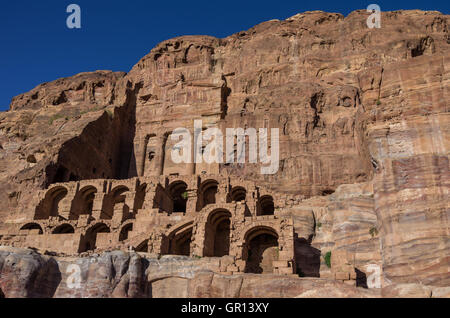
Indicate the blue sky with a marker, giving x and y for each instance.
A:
(36, 46)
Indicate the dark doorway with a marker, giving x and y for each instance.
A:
(260, 250)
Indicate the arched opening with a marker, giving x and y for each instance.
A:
(31, 228)
(266, 205)
(83, 202)
(238, 194)
(180, 243)
(124, 233)
(260, 250)
(89, 240)
(217, 234)
(207, 193)
(115, 201)
(64, 229)
(142, 247)
(49, 207)
(178, 192)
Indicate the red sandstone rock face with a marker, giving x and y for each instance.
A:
(368, 107)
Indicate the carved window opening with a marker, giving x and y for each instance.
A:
(266, 205)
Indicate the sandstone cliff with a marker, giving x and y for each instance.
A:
(361, 111)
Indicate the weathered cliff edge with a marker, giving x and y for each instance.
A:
(364, 112)
(25, 273)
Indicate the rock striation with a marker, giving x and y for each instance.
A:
(363, 182)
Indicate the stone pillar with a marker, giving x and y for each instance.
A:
(97, 205)
(191, 204)
(285, 264)
(161, 145)
(129, 200)
(222, 192)
(141, 156)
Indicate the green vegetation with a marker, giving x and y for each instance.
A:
(90, 110)
(185, 195)
(373, 231)
(378, 102)
(327, 259)
(56, 117)
(319, 225)
(110, 113)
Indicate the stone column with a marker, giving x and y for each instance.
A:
(191, 204)
(129, 200)
(97, 205)
(161, 145)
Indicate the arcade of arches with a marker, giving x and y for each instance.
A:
(202, 216)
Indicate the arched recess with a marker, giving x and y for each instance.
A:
(89, 240)
(125, 231)
(178, 193)
(238, 194)
(265, 205)
(49, 206)
(260, 250)
(83, 202)
(31, 228)
(64, 229)
(2, 295)
(207, 193)
(115, 199)
(178, 240)
(142, 247)
(217, 234)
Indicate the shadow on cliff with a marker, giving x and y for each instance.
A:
(307, 258)
(106, 144)
(361, 279)
(45, 281)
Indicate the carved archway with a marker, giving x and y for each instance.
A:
(238, 194)
(178, 240)
(49, 206)
(89, 240)
(178, 193)
(115, 199)
(207, 193)
(64, 229)
(217, 233)
(260, 250)
(266, 205)
(83, 202)
(32, 227)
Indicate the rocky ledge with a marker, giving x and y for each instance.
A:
(29, 274)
